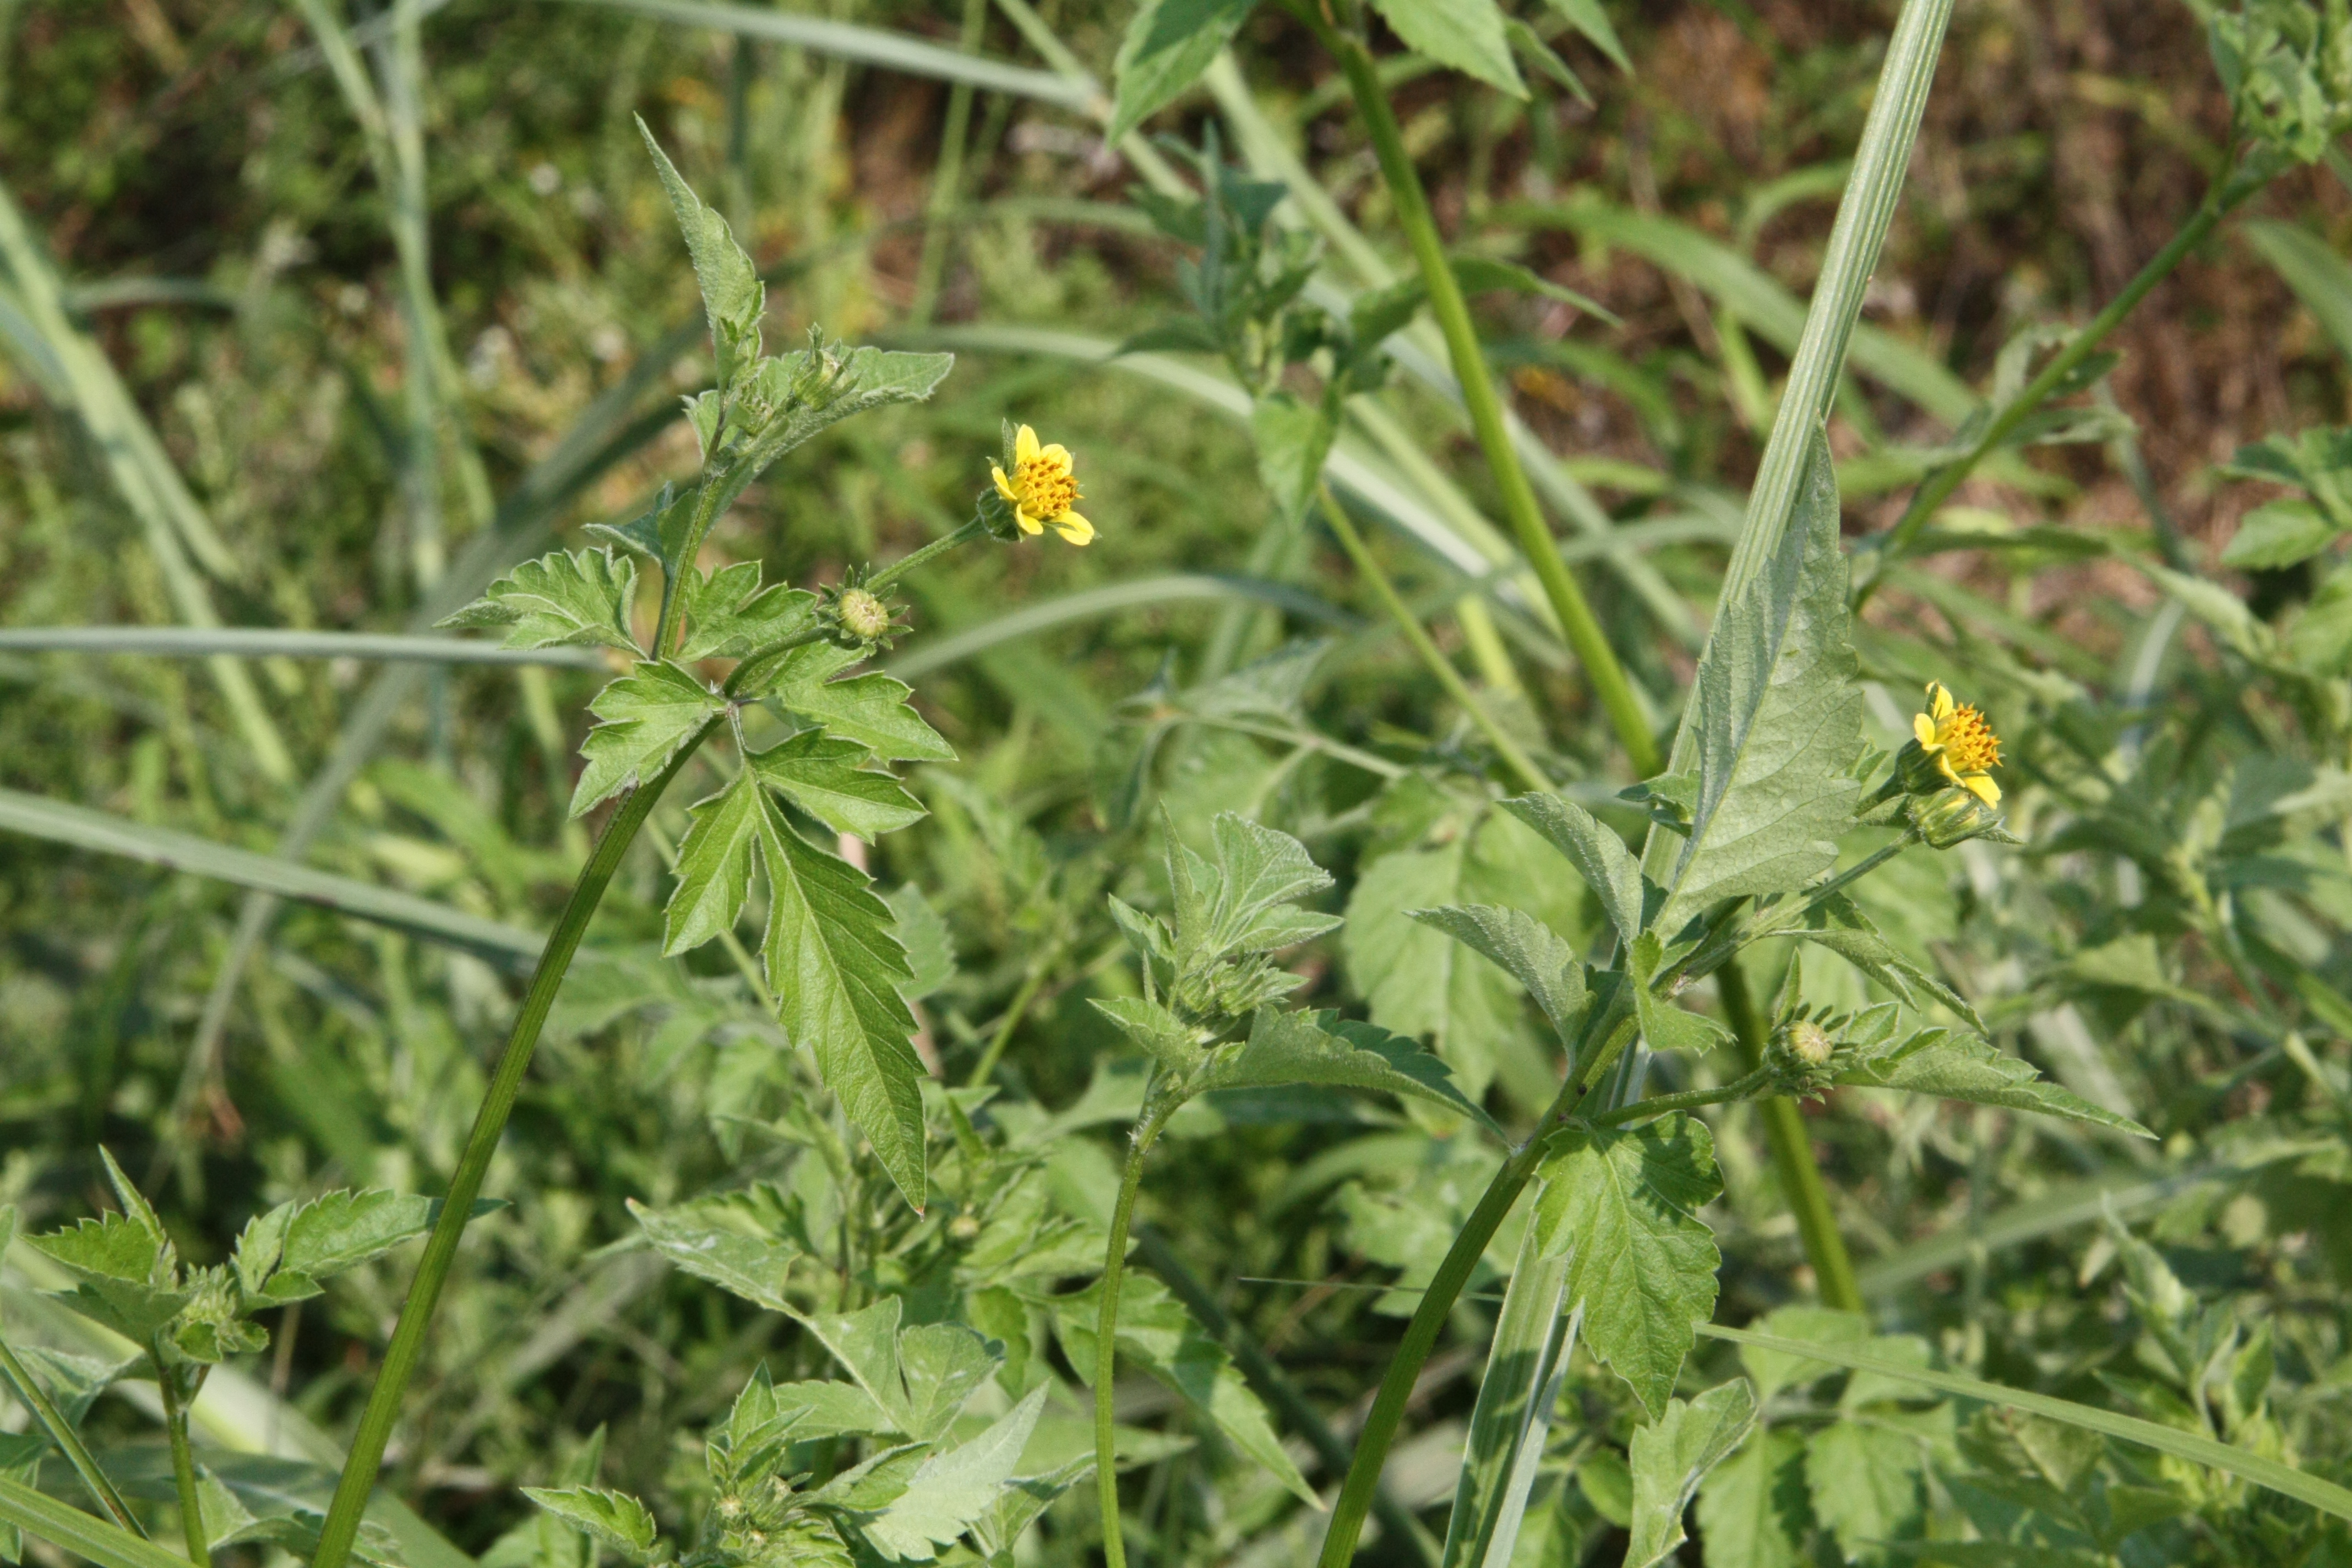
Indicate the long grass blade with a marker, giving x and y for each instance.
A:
(86, 1535)
(869, 46)
(84, 828)
(259, 642)
(1513, 1416)
(2284, 1479)
(1174, 588)
(2320, 277)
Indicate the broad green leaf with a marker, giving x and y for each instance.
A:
(940, 1364)
(2279, 534)
(1466, 34)
(1672, 1455)
(833, 1410)
(930, 946)
(1665, 1027)
(1865, 1482)
(1752, 1511)
(1588, 18)
(1599, 856)
(563, 599)
(1771, 1371)
(1417, 980)
(343, 1229)
(871, 710)
(729, 616)
(73, 1382)
(835, 968)
(1168, 45)
(260, 1245)
(865, 1343)
(1326, 1051)
(1020, 1505)
(950, 1491)
(1623, 1203)
(647, 715)
(868, 378)
(1241, 899)
(1159, 1335)
(708, 1241)
(714, 864)
(1153, 1030)
(614, 1518)
(1777, 719)
(1956, 1067)
(127, 1278)
(733, 298)
(1526, 949)
(1293, 438)
(821, 774)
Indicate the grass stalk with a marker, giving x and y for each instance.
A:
(1367, 564)
(183, 1460)
(1577, 624)
(1130, 1182)
(366, 1457)
(36, 1399)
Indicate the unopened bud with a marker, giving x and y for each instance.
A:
(863, 616)
(1811, 1044)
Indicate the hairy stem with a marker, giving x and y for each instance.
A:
(1583, 632)
(1130, 1182)
(1938, 486)
(68, 1441)
(1363, 1484)
(1739, 1088)
(183, 1461)
(1509, 749)
(399, 1358)
(1792, 1155)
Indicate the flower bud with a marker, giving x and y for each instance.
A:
(1953, 816)
(863, 616)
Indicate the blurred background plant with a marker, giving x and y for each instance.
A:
(318, 318)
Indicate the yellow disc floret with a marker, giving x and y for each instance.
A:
(1963, 745)
(1041, 488)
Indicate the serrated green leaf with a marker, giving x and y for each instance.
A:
(1664, 1026)
(714, 864)
(1865, 1484)
(950, 1491)
(112, 1247)
(1324, 1050)
(930, 946)
(1938, 1062)
(1778, 718)
(820, 774)
(871, 710)
(2277, 534)
(342, 1229)
(1752, 1511)
(658, 533)
(126, 1193)
(1293, 438)
(562, 599)
(1524, 948)
(729, 616)
(733, 299)
(1415, 979)
(940, 1365)
(1168, 45)
(614, 1518)
(1623, 1203)
(1670, 1459)
(865, 1343)
(869, 378)
(836, 967)
(1588, 18)
(260, 1245)
(647, 715)
(1246, 890)
(708, 1241)
(1839, 925)
(1153, 1030)
(1466, 34)
(1599, 856)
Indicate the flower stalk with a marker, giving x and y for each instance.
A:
(183, 1458)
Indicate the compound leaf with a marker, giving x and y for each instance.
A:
(647, 715)
(563, 599)
(871, 710)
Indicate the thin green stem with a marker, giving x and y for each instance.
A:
(1938, 486)
(1739, 1088)
(399, 1358)
(183, 1461)
(937, 547)
(1355, 1494)
(1130, 1182)
(1434, 658)
(1792, 1155)
(52, 1421)
(1013, 1013)
(1583, 632)
(947, 175)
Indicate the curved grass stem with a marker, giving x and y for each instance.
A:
(1130, 1182)
(399, 1358)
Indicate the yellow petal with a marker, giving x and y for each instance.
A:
(1028, 524)
(1024, 445)
(1004, 485)
(1939, 701)
(1922, 727)
(1944, 766)
(1055, 452)
(1074, 528)
(1981, 786)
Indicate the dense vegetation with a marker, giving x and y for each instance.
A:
(1513, 784)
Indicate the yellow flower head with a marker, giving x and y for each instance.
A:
(1963, 745)
(1041, 488)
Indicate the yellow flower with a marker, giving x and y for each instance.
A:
(1041, 488)
(1962, 745)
